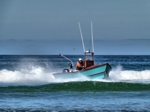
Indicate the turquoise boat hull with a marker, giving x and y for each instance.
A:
(93, 72)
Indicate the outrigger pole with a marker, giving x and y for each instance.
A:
(88, 62)
(92, 36)
(81, 36)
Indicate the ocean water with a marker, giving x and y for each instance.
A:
(27, 84)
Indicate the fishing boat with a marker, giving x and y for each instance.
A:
(92, 71)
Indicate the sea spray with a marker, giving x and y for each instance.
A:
(37, 75)
(31, 74)
(117, 74)
(37, 70)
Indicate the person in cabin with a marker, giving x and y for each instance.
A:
(80, 64)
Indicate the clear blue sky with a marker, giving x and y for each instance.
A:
(50, 26)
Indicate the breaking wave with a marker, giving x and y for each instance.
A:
(39, 79)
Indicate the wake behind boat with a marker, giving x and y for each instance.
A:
(90, 70)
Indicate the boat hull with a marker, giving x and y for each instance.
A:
(93, 72)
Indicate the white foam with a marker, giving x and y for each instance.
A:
(32, 75)
(39, 75)
(118, 74)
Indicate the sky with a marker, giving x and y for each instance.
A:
(120, 27)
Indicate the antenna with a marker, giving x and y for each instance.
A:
(92, 36)
(81, 36)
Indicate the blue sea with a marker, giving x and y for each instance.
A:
(27, 84)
